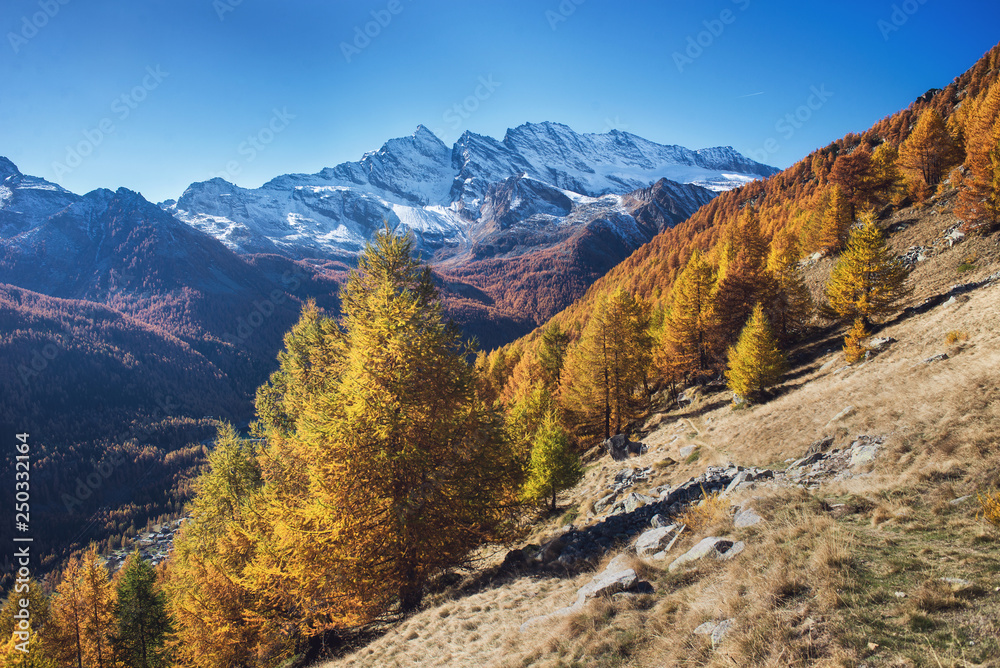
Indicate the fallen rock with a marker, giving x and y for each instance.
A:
(822, 445)
(711, 546)
(841, 415)
(705, 629)
(720, 631)
(687, 450)
(620, 447)
(734, 550)
(936, 358)
(657, 521)
(862, 454)
(605, 502)
(654, 540)
(607, 583)
(747, 518)
(880, 343)
(614, 579)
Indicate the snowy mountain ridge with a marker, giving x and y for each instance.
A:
(440, 193)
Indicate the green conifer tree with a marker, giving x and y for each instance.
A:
(554, 466)
(141, 619)
(756, 363)
(868, 280)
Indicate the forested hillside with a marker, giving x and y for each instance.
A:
(698, 282)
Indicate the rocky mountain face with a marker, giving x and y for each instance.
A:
(450, 197)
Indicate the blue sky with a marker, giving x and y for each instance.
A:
(154, 95)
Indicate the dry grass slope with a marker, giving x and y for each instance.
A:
(892, 567)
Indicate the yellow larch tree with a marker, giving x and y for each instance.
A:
(685, 344)
(928, 153)
(979, 194)
(608, 370)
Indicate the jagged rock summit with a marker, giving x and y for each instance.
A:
(452, 196)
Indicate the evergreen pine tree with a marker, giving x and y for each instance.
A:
(868, 280)
(141, 619)
(756, 363)
(554, 467)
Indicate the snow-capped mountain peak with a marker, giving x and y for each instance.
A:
(440, 192)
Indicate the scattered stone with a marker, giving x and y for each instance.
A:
(900, 594)
(687, 450)
(822, 445)
(605, 502)
(735, 549)
(958, 583)
(720, 631)
(620, 447)
(841, 415)
(657, 521)
(747, 518)
(614, 579)
(863, 454)
(654, 540)
(936, 358)
(705, 629)
(880, 344)
(711, 546)
(960, 500)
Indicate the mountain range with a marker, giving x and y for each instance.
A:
(452, 198)
(516, 229)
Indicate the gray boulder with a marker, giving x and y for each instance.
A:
(711, 546)
(654, 540)
(620, 447)
(747, 518)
